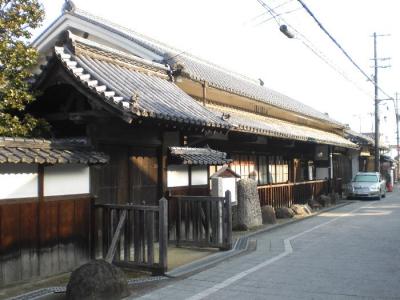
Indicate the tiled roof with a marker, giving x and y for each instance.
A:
(39, 151)
(254, 123)
(198, 156)
(359, 138)
(133, 85)
(202, 70)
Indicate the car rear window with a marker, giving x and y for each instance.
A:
(366, 178)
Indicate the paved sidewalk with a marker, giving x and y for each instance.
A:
(329, 256)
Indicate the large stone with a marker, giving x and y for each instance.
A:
(97, 280)
(324, 200)
(268, 214)
(307, 208)
(299, 210)
(334, 198)
(248, 207)
(314, 204)
(284, 213)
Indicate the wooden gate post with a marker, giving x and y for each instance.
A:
(163, 234)
(227, 226)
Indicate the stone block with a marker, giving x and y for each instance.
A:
(284, 213)
(324, 200)
(299, 210)
(99, 280)
(248, 206)
(268, 214)
(314, 204)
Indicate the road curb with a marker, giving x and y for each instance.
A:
(240, 246)
(278, 226)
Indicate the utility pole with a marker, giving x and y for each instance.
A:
(396, 108)
(377, 134)
(377, 154)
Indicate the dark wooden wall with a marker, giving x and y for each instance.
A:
(342, 168)
(39, 239)
(131, 176)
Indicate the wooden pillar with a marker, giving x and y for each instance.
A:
(204, 86)
(162, 167)
(331, 178)
(39, 208)
(163, 235)
(41, 183)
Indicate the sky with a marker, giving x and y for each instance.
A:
(242, 36)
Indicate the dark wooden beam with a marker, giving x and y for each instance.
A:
(78, 116)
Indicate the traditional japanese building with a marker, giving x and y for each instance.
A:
(164, 121)
(137, 99)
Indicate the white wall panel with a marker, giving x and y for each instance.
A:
(18, 181)
(178, 175)
(66, 179)
(199, 175)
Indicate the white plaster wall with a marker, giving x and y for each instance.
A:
(18, 181)
(177, 175)
(66, 179)
(321, 173)
(199, 175)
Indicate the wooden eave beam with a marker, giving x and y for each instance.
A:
(222, 97)
(78, 116)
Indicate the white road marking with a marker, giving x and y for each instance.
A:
(288, 250)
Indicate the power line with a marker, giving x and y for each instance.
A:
(270, 10)
(277, 15)
(264, 13)
(340, 47)
(301, 37)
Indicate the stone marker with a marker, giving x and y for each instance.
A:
(324, 200)
(248, 207)
(284, 213)
(97, 280)
(314, 204)
(334, 198)
(268, 214)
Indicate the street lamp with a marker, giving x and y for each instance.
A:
(284, 29)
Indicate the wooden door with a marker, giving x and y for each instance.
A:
(143, 176)
(110, 183)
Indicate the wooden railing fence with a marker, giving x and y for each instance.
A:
(284, 195)
(133, 236)
(202, 221)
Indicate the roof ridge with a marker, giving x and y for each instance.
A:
(157, 43)
(276, 98)
(77, 39)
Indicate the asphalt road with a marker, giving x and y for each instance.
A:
(352, 252)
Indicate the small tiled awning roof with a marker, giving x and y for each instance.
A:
(38, 151)
(197, 156)
(258, 124)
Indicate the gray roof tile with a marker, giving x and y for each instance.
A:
(133, 85)
(198, 156)
(200, 69)
(17, 150)
(254, 123)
